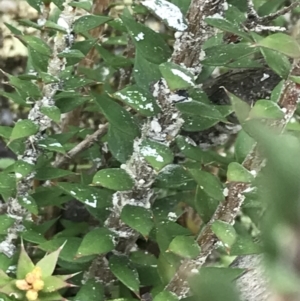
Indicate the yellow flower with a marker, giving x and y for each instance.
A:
(38, 285)
(36, 274)
(22, 285)
(31, 295)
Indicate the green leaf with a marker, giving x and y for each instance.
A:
(23, 168)
(122, 269)
(226, 26)
(238, 173)
(114, 178)
(201, 109)
(7, 184)
(244, 245)
(71, 53)
(120, 143)
(165, 296)
(37, 44)
(23, 128)
(240, 107)
(28, 203)
(25, 265)
(209, 183)
(139, 99)
(145, 73)
(174, 176)
(88, 22)
(91, 196)
(166, 231)
(282, 43)
(196, 153)
(48, 173)
(54, 26)
(115, 61)
(86, 5)
(116, 115)
(177, 77)
(13, 29)
(225, 232)
(221, 55)
(24, 87)
(150, 44)
(156, 154)
(5, 131)
(204, 284)
(205, 204)
(138, 218)
(52, 284)
(277, 62)
(4, 279)
(51, 144)
(243, 145)
(174, 19)
(36, 4)
(97, 241)
(185, 246)
(91, 290)
(48, 262)
(5, 223)
(69, 251)
(33, 236)
(6, 162)
(266, 109)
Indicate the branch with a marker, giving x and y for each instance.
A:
(32, 152)
(228, 210)
(162, 128)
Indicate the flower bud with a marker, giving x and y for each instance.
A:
(22, 285)
(30, 278)
(32, 295)
(38, 285)
(37, 271)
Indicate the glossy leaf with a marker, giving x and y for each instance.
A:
(123, 270)
(225, 232)
(156, 154)
(23, 128)
(184, 246)
(88, 22)
(282, 43)
(98, 241)
(150, 44)
(139, 99)
(209, 183)
(114, 178)
(138, 218)
(266, 109)
(177, 77)
(238, 173)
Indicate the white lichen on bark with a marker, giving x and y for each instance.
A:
(32, 152)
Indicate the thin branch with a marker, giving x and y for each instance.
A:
(83, 145)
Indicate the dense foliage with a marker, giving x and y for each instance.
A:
(156, 141)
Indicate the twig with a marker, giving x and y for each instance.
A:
(83, 145)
